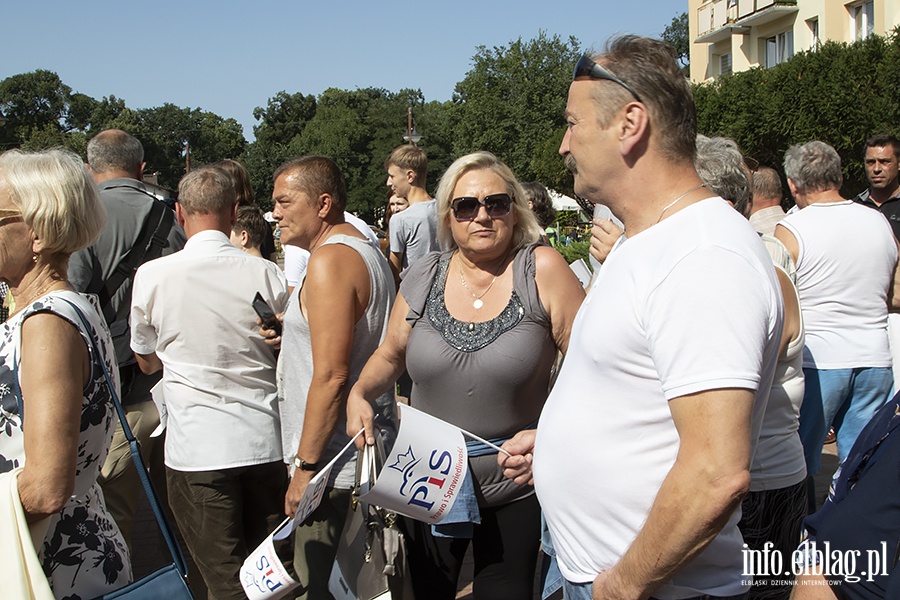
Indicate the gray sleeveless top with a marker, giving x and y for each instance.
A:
(295, 364)
(489, 378)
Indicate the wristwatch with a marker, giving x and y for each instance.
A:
(301, 464)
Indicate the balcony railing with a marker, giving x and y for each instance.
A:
(717, 19)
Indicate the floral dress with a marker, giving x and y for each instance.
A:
(83, 553)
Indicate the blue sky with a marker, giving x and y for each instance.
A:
(229, 57)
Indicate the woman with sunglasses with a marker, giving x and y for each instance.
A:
(56, 414)
(478, 328)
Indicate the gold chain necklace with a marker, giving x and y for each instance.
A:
(478, 303)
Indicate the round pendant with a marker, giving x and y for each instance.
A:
(478, 304)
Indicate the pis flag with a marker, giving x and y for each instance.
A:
(263, 576)
(424, 471)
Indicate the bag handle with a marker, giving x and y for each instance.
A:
(134, 446)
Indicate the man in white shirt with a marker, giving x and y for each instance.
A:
(766, 206)
(845, 291)
(192, 317)
(643, 450)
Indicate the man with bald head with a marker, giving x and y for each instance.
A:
(139, 228)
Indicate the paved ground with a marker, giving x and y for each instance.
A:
(150, 553)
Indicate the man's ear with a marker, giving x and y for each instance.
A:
(245, 239)
(324, 203)
(634, 126)
(410, 176)
(179, 213)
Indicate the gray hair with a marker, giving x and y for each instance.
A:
(115, 150)
(721, 168)
(57, 196)
(525, 231)
(207, 191)
(813, 167)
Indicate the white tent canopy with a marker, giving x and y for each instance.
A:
(561, 202)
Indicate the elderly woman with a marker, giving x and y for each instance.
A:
(478, 328)
(56, 416)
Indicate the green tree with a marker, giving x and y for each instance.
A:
(34, 102)
(512, 101)
(165, 132)
(840, 94)
(283, 118)
(677, 35)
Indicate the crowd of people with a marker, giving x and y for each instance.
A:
(659, 432)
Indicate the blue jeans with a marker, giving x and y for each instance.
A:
(845, 399)
(582, 591)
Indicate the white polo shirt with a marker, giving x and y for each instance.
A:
(194, 310)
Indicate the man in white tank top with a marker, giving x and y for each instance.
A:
(845, 290)
(336, 318)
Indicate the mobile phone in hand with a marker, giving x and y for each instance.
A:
(266, 314)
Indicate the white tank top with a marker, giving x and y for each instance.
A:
(847, 254)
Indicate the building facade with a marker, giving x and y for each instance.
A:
(735, 35)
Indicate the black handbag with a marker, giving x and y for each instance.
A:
(169, 582)
(371, 555)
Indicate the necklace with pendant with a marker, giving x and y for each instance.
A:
(478, 303)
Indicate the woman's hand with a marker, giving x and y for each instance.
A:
(360, 416)
(518, 466)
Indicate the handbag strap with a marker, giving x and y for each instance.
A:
(134, 446)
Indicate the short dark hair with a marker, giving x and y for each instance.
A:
(251, 220)
(649, 66)
(316, 175)
(881, 140)
(410, 157)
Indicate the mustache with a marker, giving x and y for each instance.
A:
(570, 163)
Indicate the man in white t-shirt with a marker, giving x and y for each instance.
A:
(192, 317)
(643, 449)
(845, 291)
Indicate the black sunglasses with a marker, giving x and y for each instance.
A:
(466, 208)
(588, 68)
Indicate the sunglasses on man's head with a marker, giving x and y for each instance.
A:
(466, 208)
(585, 67)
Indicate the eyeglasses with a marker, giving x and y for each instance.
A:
(588, 68)
(466, 208)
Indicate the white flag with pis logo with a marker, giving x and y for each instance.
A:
(424, 471)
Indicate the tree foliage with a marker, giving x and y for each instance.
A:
(512, 102)
(840, 94)
(677, 35)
